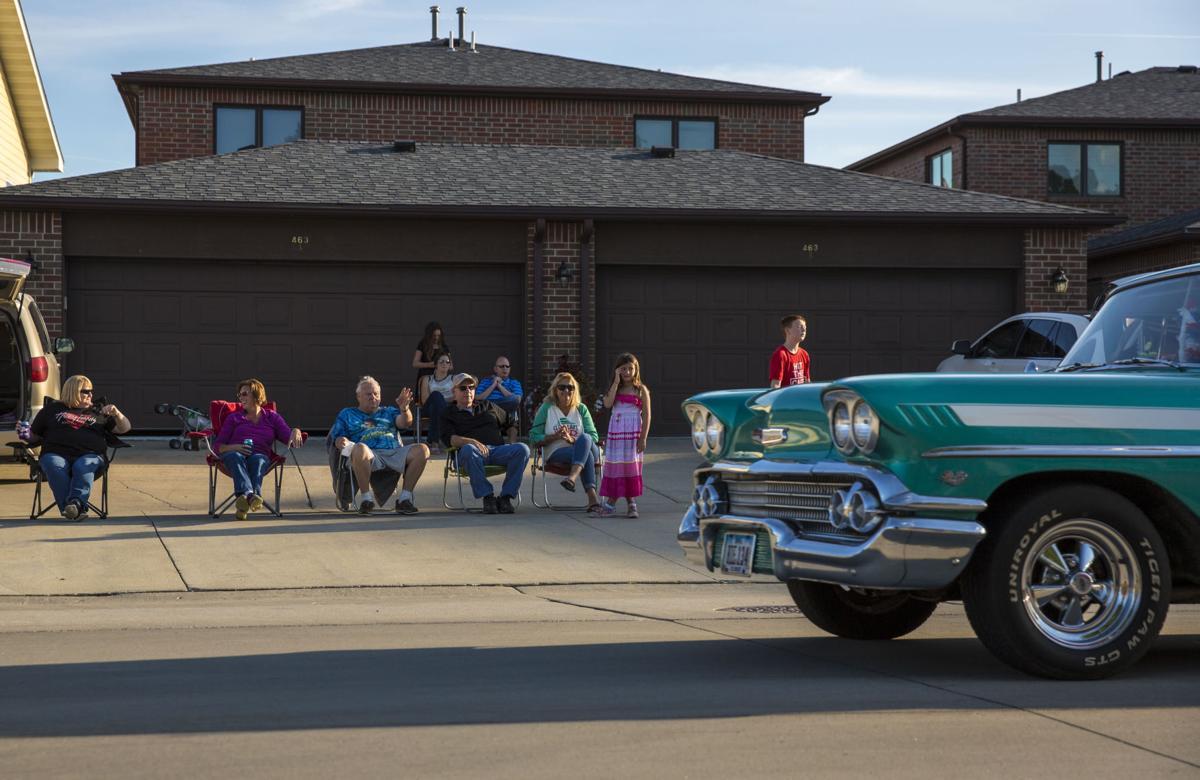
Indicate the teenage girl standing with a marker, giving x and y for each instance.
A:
(628, 428)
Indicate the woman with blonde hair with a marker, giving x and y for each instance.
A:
(73, 436)
(260, 427)
(563, 427)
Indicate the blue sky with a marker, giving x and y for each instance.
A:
(893, 68)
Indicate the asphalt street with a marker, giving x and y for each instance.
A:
(541, 644)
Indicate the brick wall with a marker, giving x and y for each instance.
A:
(177, 122)
(1161, 168)
(38, 233)
(911, 164)
(561, 302)
(1139, 261)
(1046, 250)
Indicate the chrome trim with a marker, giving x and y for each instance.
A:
(769, 436)
(873, 438)
(1063, 451)
(893, 494)
(905, 553)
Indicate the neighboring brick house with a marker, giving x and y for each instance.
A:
(1128, 145)
(522, 217)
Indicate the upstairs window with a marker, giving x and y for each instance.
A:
(940, 169)
(1084, 169)
(247, 127)
(675, 131)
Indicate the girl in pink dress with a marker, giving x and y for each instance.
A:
(628, 428)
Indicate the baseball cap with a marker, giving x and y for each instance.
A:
(460, 379)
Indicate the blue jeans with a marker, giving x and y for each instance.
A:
(514, 457)
(71, 478)
(582, 453)
(247, 472)
(433, 407)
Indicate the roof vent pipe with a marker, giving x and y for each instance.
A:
(662, 152)
(433, 11)
(404, 146)
(1018, 94)
(476, 51)
(450, 40)
(1099, 65)
(462, 23)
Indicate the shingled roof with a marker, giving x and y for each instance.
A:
(1184, 226)
(529, 181)
(433, 66)
(1155, 97)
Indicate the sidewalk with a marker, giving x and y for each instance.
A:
(159, 538)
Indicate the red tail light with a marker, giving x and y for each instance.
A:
(39, 370)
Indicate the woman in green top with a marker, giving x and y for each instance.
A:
(563, 428)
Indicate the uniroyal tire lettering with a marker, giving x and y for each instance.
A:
(1014, 568)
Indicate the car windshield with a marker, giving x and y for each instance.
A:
(1150, 323)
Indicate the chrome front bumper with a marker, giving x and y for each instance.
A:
(905, 552)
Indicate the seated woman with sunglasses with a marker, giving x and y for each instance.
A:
(564, 429)
(437, 392)
(72, 433)
(263, 427)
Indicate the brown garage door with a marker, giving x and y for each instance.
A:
(149, 331)
(710, 328)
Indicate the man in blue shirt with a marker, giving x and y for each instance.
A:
(502, 390)
(367, 435)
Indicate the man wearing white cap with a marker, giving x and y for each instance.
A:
(475, 430)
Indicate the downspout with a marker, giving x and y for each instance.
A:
(585, 294)
(539, 235)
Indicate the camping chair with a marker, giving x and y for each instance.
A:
(24, 453)
(217, 412)
(538, 465)
(345, 486)
(459, 473)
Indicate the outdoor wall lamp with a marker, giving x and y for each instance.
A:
(1060, 280)
(563, 274)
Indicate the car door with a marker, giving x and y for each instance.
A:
(996, 352)
(1039, 345)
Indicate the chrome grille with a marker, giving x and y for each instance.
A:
(804, 504)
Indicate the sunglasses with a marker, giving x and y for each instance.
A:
(567, 388)
(86, 392)
(464, 388)
(503, 366)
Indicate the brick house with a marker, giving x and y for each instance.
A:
(1128, 145)
(275, 227)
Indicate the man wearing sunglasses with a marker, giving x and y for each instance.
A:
(475, 429)
(501, 389)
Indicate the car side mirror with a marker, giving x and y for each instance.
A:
(63, 345)
(961, 347)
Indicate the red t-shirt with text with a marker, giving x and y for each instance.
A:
(789, 369)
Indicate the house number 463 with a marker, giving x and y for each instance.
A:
(299, 240)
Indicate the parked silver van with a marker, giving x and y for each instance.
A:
(29, 368)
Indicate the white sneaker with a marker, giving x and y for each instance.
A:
(366, 502)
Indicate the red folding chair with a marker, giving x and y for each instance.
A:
(217, 412)
(538, 465)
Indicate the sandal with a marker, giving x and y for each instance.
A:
(568, 485)
(594, 509)
(632, 512)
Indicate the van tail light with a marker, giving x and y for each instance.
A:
(39, 369)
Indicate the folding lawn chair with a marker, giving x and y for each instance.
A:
(24, 453)
(217, 412)
(538, 465)
(453, 469)
(345, 486)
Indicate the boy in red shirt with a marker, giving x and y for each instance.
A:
(789, 363)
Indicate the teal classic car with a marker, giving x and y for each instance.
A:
(1061, 508)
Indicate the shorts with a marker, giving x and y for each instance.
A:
(393, 459)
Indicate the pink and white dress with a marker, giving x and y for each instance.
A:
(622, 461)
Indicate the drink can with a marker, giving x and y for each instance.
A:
(23, 430)
(249, 443)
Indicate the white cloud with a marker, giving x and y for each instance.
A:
(857, 82)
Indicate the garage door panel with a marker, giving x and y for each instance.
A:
(186, 337)
(861, 321)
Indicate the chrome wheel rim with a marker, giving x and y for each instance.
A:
(1081, 586)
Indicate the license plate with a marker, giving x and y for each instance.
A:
(737, 554)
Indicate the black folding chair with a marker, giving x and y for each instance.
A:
(24, 453)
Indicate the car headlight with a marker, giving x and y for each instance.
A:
(841, 427)
(864, 427)
(712, 433)
(698, 430)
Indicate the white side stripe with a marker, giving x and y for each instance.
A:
(1053, 416)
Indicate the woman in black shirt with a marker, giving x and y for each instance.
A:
(72, 433)
(431, 343)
